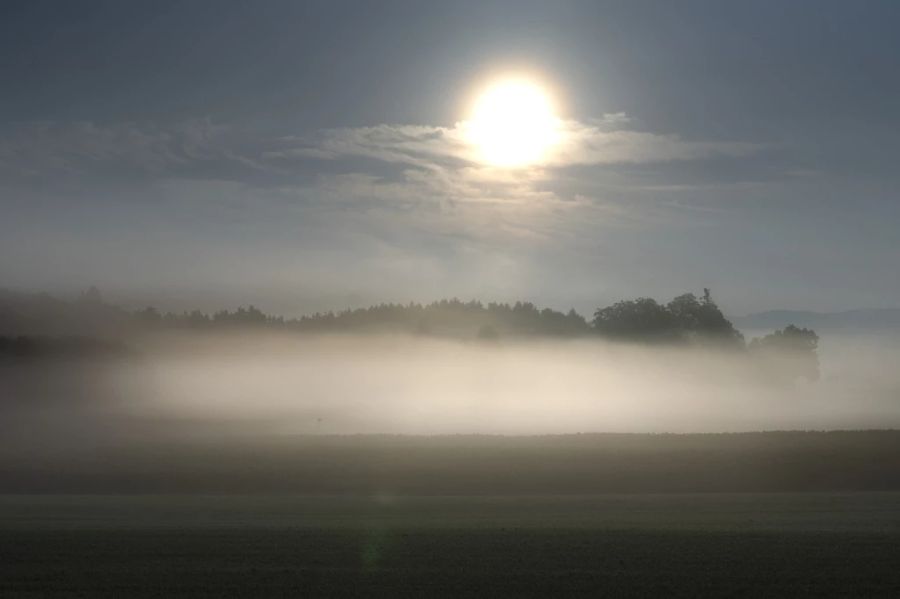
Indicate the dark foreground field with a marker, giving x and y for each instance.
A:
(750, 545)
(366, 465)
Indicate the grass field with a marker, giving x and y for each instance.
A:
(749, 545)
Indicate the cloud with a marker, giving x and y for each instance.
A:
(436, 168)
(30, 152)
(199, 147)
(377, 209)
(590, 144)
(436, 174)
(602, 141)
(422, 176)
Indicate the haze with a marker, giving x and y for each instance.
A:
(507, 298)
(231, 386)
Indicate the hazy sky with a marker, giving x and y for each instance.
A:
(302, 155)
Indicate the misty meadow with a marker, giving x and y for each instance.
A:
(442, 449)
(480, 298)
(446, 367)
(186, 387)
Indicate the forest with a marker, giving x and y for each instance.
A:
(40, 325)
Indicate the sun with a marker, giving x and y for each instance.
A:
(513, 123)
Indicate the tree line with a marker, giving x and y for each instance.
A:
(686, 319)
(444, 317)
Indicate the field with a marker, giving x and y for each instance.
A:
(752, 545)
(374, 465)
(787, 514)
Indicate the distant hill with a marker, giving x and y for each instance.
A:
(862, 320)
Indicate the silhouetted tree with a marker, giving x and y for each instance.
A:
(792, 352)
(149, 316)
(685, 318)
(702, 318)
(641, 319)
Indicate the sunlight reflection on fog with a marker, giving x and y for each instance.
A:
(417, 386)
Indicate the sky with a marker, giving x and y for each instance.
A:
(303, 156)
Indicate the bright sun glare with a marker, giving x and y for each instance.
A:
(513, 123)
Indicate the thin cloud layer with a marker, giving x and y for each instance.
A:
(601, 142)
(32, 150)
(188, 149)
(426, 177)
(415, 197)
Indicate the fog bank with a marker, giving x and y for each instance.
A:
(284, 385)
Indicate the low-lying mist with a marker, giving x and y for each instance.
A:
(256, 383)
(255, 413)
